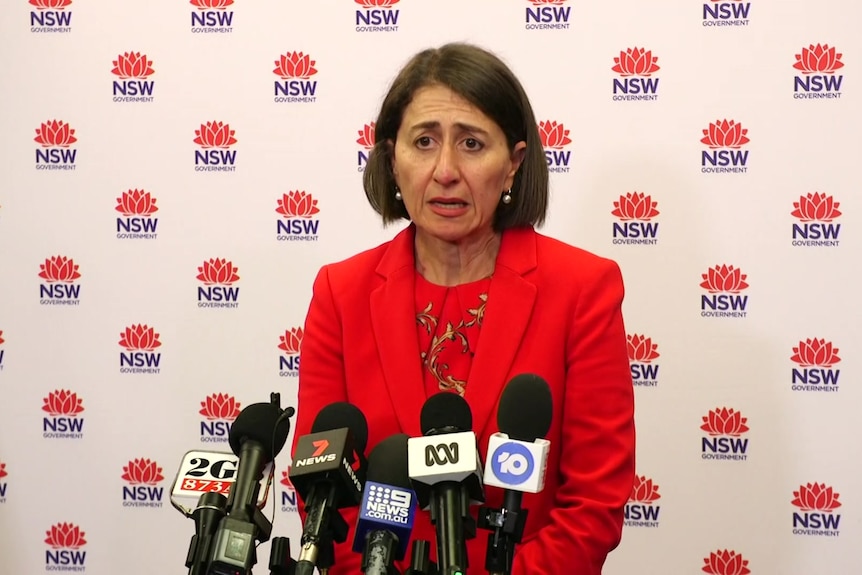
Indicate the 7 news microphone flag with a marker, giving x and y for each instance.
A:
(447, 475)
(517, 460)
(328, 472)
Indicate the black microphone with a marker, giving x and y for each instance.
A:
(388, 507)
(447, 476)
(517, 459)
(328, 473)
(257, 436)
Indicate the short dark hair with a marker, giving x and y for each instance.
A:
(485, 81)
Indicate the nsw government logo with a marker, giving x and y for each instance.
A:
(288, 494)
(555, 138)
(640, 509)
(725, 562)
(137, 207)
(55, 138)
(366, 140)
(65, 553)
(816, 214)
(642, 355)
(50, 16)
(215, 140)
(815, 370)
(63, 408)
(218, 276)
(297, 223)
(724, 428)
(377, 16)
(634, 211)
(142, 489)
(815, 510)
(635, 67)
(725, 139)
(295, 70)
(512, 463)
(59, 287)
(3, 482)
(212, 17)
(140, 342)
(723, 284)
(290, 344)
(219, 410)
(134, 85)
(817, 64)
(724, 13)
(548, 15)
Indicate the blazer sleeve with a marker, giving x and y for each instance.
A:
(598, 438)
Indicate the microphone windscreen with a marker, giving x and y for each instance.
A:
(445, 411)
(526, 408)
(342, 414)
(387, 462)
(257, 422)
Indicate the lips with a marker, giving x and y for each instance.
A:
(448, 202)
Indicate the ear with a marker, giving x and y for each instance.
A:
(390, 148)
(519, 152)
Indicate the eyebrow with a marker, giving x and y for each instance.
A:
(433, 124)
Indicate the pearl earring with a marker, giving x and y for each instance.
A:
(397, 194)
(507, 197)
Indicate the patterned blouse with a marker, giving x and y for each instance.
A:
(448, 321)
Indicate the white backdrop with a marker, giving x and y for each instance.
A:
(710, 148)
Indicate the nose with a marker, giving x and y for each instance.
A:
(446, 171)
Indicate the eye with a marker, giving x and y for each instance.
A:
(473, 144)
(423, 141)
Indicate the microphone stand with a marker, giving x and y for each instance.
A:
(210, 510)
(507, 528)
(420, 559)
(280, 561)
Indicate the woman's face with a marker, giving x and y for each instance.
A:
(452, 164)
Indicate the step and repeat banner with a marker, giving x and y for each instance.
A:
(175, 172)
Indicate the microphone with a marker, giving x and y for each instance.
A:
(388, 508)
(446, 473)
(517, 460)
(328, 472)
(257, 436)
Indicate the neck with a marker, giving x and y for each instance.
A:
(453, 263)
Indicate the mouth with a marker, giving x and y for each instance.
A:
(450, 204)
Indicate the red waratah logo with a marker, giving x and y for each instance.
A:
(136, 203)
(218, 271)
(641, 349)
(815, 352)
(215, 135)
(635, 206)
(65, 536)
(50, 4)
(2, 341)
(644, 490)
(636, 62)
(366, 136)
(142, 472)
(295, 65)
(220, 406)
(818, 59)
(724, 278)
(63, 402)
(297, 204)
(139, 337)
(285, 480)
(725, 562)
(3, 470)
(211, 4)
(55, 133)
(377, 3)
(553, 135)
(724, 421)
(547, 2)
(816, 207)
(291, 341)
(816, 497)
(725, 134)
(59, 269)
(132, 65)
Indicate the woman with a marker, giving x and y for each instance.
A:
(468, 296)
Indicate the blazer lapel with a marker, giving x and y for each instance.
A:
(397, 342)
(507, 314)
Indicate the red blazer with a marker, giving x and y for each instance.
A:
(553, 310)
